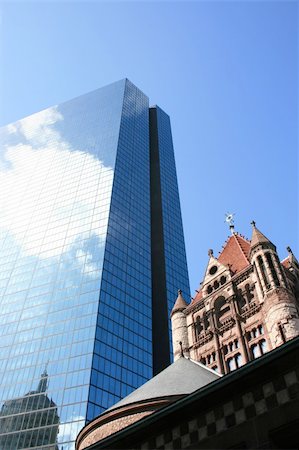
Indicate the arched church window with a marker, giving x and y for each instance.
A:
(198, 326)
(263, 346)
(272, 268)
(281, 268)
(255, 351)
(221, 309)
(263, 271)
(231, 364)
(216, 285)
(209, 289)
(238, 359)
(248, 294)
(206, 321)
(222, 280)
(241, 300)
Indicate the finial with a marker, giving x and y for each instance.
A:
(210, 252)
(252, 223)
(181, 345)
(229, 218)
(180, 292)
(289, 250)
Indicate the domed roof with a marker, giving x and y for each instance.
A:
(180, 378)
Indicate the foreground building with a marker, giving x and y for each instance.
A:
(91, 255)
(247, 304)
(254, 407)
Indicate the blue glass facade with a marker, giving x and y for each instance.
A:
(75, 262)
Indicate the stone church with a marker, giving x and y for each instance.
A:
(247, 304)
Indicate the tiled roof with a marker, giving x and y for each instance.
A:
(197, 297)
(285, 263)
(235, 253)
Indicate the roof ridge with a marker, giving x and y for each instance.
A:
(205, 367)
(243, 237)
(240, 246)
(224, 246)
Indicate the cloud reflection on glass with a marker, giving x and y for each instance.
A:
(54, 208)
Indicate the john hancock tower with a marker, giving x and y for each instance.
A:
(91, 256)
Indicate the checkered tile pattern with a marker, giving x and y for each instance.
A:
(242, 408)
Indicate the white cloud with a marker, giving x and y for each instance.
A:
(11, 128)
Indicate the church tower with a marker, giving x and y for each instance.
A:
(179, 328)
(279, 303)
(247, 304)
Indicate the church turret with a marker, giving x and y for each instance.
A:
(179, 328)
(264, 257)
(279, 303)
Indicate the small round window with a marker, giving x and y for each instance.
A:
(213, 270)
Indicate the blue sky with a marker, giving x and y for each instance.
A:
(225, 72)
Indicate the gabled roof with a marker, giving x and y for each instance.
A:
(235, 253)
(180, 378)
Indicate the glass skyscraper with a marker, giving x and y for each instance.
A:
(91, 256)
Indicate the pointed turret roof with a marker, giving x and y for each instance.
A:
(180, 303)
(258, 237)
